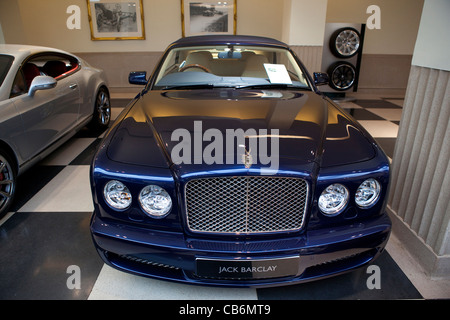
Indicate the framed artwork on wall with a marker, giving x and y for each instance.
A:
(208, 17)
(116, 19)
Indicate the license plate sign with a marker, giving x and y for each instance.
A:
(247, 269)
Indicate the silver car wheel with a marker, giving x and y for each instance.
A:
(345, 42)
(7, 184)
(103, 107)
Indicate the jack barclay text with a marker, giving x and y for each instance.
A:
(247, 269)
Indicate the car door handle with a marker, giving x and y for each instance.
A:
(73, 86)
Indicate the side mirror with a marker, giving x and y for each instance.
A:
(41, 83)
(138, 77)
(321, 78)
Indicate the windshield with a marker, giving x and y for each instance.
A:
(229, 66)
(5, 63)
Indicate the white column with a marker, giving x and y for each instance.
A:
(420, 189)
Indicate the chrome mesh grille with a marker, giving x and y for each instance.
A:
(246, 204)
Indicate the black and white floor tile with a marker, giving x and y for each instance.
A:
(381, 118)
(47, 233)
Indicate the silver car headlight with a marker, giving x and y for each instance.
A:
(368, 193)
(333, 199)
(155, 201)
(117, 195)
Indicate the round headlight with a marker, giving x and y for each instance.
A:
(333, 199)
(117, 195)
(368, 193)
(155, 201)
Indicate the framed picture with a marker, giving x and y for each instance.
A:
(208, 17)
(116, 19)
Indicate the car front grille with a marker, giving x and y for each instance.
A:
(246, 204)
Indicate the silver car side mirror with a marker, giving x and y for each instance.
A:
(41, 83)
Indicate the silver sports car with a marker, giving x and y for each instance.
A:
(46, 96)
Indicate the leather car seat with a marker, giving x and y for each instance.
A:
(30, 70)
(203, 58)
(54, 68)
(255, 66)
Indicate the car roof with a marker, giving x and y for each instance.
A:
(21, 51)
(227, 40)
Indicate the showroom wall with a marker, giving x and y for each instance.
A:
(386, 57)
(387, 53)
(303, 24)
(399, 23)
(44, 23)
(23, 22)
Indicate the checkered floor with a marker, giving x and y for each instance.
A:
(48, 231)
(381, 118)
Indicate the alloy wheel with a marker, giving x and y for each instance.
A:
(342, 75)
(103, 108)
(7, 184)
(345, 43)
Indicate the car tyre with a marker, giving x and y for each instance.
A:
(8, 180)
(102, 110)
(345, 42)
(342, 75)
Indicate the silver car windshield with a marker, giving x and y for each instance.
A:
(229, 66)
(5, 63)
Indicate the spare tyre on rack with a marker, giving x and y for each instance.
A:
(345, 42)
(342, 75)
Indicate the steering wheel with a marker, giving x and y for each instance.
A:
(195, 65)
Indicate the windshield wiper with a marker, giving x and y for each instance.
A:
(188, 86)
(270, 86)
(251, 86)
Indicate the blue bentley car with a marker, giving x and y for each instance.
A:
(231, 168)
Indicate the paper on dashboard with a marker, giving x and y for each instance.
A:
(277, 73)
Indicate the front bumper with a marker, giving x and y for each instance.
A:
(174, 256)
